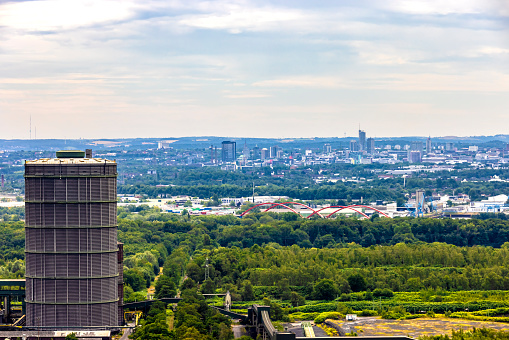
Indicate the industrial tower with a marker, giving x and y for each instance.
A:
(72, 272)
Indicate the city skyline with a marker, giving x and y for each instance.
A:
(110, 69)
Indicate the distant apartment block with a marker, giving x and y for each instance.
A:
(229, 151)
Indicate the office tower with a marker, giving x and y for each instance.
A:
(256, 152)
(370, 146)
(354, 146)
(414, 156)
(72, 277)
(245, 152)
(229, 151)
(279, 153)
(449, 146)
(428, 145)
(264, 154)
(327, 148)
(273, 151)
(362, 140)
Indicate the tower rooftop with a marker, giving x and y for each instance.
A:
(77, 161)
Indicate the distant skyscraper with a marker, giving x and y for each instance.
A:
(354, 146)
(327, 148)
(256, 152)
(229, 151)
(428, 145)
(449, 146)
(370, 147)
(264, 154)
(273, 151)
(414, 156)
(362, 140)
(245, 152)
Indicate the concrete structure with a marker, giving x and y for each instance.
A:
(71, 249)
(362, 140)
(264, 154)
(354, 146)
(428, 145)
(370, 146)
(256, 152)
(327, 148)
(273, 151)
(414, 156)
(164, 144)
(229, 151)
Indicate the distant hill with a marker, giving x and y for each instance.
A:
(203, 142)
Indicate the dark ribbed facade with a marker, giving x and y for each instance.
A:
(72, 270)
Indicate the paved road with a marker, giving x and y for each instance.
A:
(238, 331)
(127, 332)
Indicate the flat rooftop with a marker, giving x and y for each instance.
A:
(75, 161)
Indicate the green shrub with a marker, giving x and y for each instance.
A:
(368, 312)
(328, 315)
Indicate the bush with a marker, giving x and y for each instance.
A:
(385, 293)
(368, 312)
(328, 315)
(303, 316)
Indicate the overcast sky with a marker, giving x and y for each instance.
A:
(295, 68)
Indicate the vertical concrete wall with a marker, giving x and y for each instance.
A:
(71, 243)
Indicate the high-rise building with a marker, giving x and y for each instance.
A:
(273, 151)
(449, 146)
(414, 156)
(245, 152)
(362, 140)
(264, 154)
(370, 146)
(354, 146)
(71, 254)
(229, 151)
(428, 145)
(256, 152)
(327, 148)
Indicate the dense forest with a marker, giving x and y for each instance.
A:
(302, 268)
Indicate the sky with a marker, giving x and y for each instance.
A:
(253, 68)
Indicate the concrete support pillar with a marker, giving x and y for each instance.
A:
(7, 306)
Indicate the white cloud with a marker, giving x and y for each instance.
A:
(303, 81)
(63, 14)
(235, 20)
(497, 7)
(143, 64)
